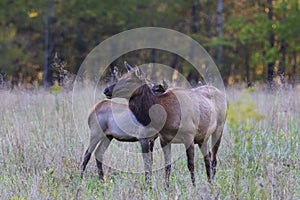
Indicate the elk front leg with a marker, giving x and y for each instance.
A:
(190, 162)
(167, 156)
(147, 157)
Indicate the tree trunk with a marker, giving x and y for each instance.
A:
(294, 70)
(219, 30)
(271, 41)
(177, 70)
(283, 46)
(48, 46)
(282, 64)
(153, 60)
(247, 67)
(153, 56)
(193, 75)
(194, 17)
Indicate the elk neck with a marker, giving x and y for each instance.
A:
(140, 102)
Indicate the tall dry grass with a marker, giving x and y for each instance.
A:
(43, 137)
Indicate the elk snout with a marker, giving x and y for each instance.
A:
(108, 91)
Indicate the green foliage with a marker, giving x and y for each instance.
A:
(55, 89)
(215, 42)
(242, 112)
(251, 30)
(17, 198)
(76, 28)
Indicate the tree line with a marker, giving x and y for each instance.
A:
(250, 41)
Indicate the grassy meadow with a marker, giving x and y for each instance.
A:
(43, 137)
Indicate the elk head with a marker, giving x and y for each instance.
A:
(126, 84)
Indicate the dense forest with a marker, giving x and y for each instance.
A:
(250, 41)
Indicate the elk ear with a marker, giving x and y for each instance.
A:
(128, 67)
(138, 72)
(165, 84)
(116, 70)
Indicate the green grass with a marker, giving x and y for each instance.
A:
(41, 149)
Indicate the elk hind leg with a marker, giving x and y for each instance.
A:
(207, 160)
(190, 161)
(94, 140)
(215, 142)
(99, 155)
(86, 159)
